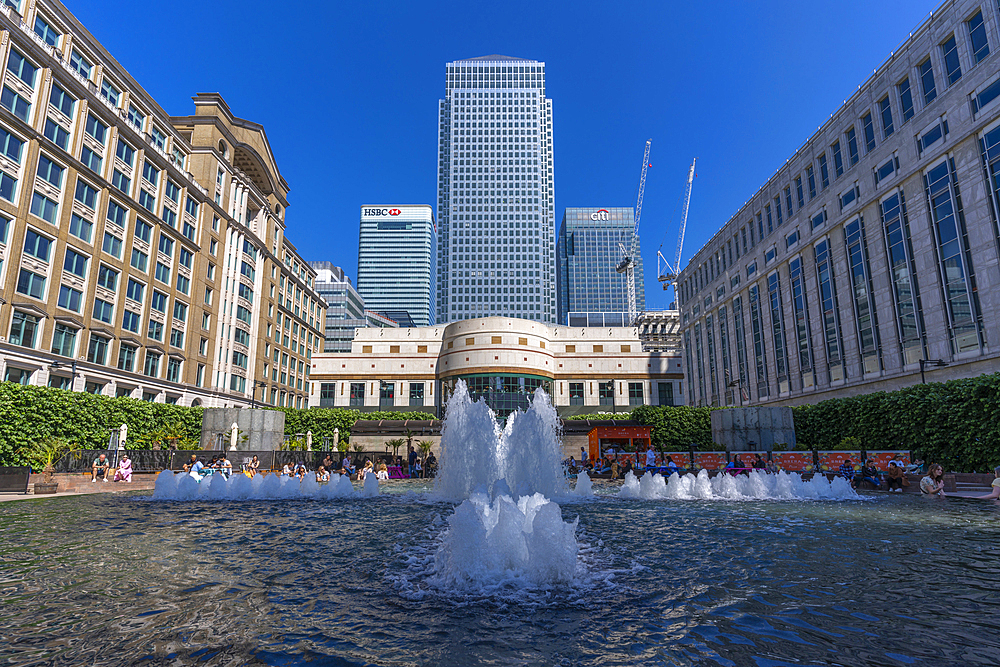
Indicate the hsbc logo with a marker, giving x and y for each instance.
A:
(376, 212)
(601, 214)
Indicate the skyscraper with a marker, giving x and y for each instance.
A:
(591, 292)
(396, 260)
(496, 210)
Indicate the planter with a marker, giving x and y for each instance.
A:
(46, 488)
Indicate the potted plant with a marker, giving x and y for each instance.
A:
(42, 455)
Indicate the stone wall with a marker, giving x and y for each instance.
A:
(265, 428)
(753, 429)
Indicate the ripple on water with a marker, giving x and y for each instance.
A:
(881, 580)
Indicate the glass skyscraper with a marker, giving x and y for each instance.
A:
(397, 260)
(345, 309)
(591, 292)
(496, 210)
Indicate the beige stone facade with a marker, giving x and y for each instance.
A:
(141, 254)
(585, 370)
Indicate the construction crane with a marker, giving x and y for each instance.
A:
(627, 263)
(668, 273)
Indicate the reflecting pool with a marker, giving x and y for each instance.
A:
(877, 580)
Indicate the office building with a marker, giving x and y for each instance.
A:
(345, 309)
(591, 292)
(496, 206)
(871, 254)
(141, 254)
(502, 360)
(397, 260)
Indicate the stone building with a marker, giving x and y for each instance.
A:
(871, 255)
(583, 369)
(141, 254)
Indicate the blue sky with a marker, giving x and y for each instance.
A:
(348, 92)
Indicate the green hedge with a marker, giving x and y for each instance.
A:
(676, 428)
(30, 414)
(954, 423)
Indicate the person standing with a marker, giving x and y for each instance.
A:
(583, 457)
(412, 461)
(650, 458)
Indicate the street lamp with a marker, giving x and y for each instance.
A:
(937, 363)
(56, 365)
(253, 392)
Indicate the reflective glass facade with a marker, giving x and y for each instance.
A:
(591, 292)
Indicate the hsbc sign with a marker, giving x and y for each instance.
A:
(378, 212)
(600, 214)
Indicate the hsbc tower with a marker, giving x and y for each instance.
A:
(397, 261)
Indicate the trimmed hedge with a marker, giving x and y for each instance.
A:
(30, 414)
(675, 428)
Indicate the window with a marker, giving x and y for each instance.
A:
(869, 130)
(91, 160)
(62, 100)
(886, 170)
(51, 37)
(121, 181)
(885, 111)
(63, 340)
(864, 306)
(905, 99)
(10, 145)
(838, 161)
(143, 231)
(357, 393)
(155, 330)
(166, 245)
(932, 136)
(125, 153)
(848, 198)
(191, 207)
(576, 393)
(126, 357)
(798, 191)
(185, 258)
(778, 336)
(150, 172)
(36, 245)
(977, 36)
(22, 68)
(152, 365)
(169, 217)
(902, 272)
(147, 200)
(23, 328)
(16, 104)
(247, 270)
(112, 245)
(852, 146)
(180, 311)
(159, 139)
(952, 67)
(86, 194)
(416, 394)
(635, 393)
(107, 278)
(56, 134)
(173, 370)
(751, 268)
(831, 316)
(97, 351)
(96, 129)
(606, 393)
(110, 92)
(80, 64)
(103, 311)
(819, 219)
(162, 273)
(183, 284)
(136, 117)
(988, 94)
(134, 290)
(757, 333)
(117, 214)
(44, 208)
(792, 239)
(31, 284)
(69, 298)
(926, 71)
(824, 174)
(953, 253)
(769, 255)
(75, 263)
(140, 260)
(158, 302)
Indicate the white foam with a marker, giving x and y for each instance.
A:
(755, 486)
(584, 486)
(476, 454)
(185, 486)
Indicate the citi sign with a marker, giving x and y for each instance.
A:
(376, 212)
(600, 214)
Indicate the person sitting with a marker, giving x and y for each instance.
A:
(418, 467)
(250, 469)
(124, 472)
(995, 493)
(195, 468)
(286, 470)
(430, 465)
(190, 464)
(100, 467)
(300, 471)
(322, 476)
(670, 468)
(327, 462)
(933, 483)
(870, 474)
(383, 472)
(772, 467)
(346, 466)
(225, 466)
(847, 470)
(758, 464)
(894, 478)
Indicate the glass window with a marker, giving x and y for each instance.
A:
(126, 357)
(952, 67)
(112, 245)
(757, 333)
(831, 315)
(80, 64)
(31, 284)
(136, 117)
(49, 171)
(635, 394)
(91, 160)
(62, 100)
(838, 162)
(21, 68)
(902, 272)
(139, 260)
(23, 328)
(63, 340)
(926, 70)
(86, 194)
(852, 146)
(117, 213)
(869, 130)
(158, 302)
(135, 290)
(69, 298)
(107, 278)
(905, 99)
(96, 129)
(130, 321)
(152, 365)
(864, 308)
(125, 153)
(166, 245)
(977, 37)
(36, 245)
(49, 35)
(75, 263)
(885, 111)
(97, 351)
(16, 104)
(800, 321)
(110, 92)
